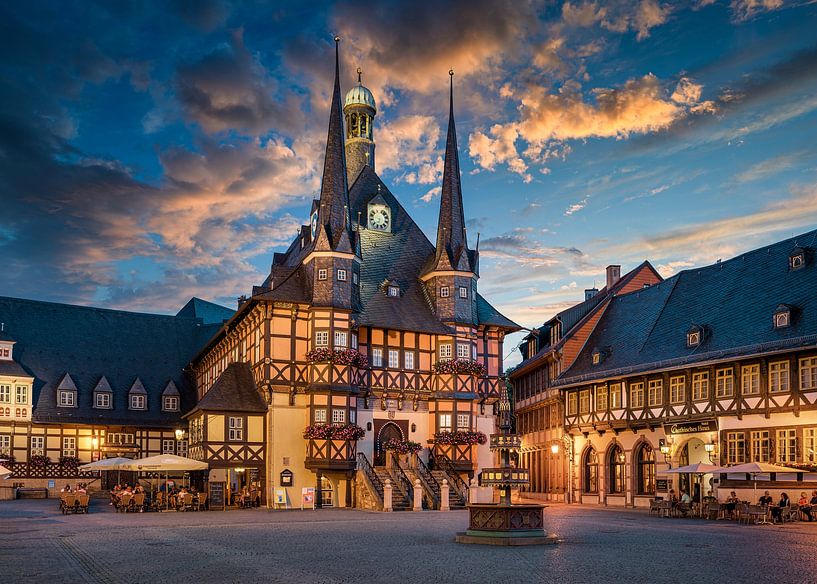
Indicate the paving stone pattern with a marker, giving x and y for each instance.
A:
(37, 544)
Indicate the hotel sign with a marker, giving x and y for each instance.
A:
(691, 427)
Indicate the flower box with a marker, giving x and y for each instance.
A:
(460, 366)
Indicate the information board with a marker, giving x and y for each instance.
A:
(662, 485)
(307, 497)
(217, 496)
(281, 498)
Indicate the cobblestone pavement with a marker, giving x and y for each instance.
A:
(38, 544)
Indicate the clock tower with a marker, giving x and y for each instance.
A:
(359, 110)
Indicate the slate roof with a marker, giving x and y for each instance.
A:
(55, 340)
(12, 368)
(207, 312)
(233, 391)
(732, 300)
(572, 316)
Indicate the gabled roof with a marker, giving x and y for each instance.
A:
(207, 312)
(89, 343)
(171, 389)
(571, 317)
(66, 383)
(103, 386)
(233, 391)
(137, 387)
(733, 300)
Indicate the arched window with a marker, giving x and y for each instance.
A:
(591, 471)
(364, 126)
(616, 466)
(353, 125)
(645, 470)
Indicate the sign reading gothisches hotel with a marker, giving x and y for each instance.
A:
(691, 427)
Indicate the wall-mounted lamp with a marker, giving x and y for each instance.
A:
(95, 442)
(554, 448)
(665, 450)
(413, 427)
(369, 426)
(710, 450)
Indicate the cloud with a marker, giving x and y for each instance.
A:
(431, 194)
(617, 16)
(576, 207)
(746, 9)
(410, 144)
(549, 119)
(229, 89)
(770, 167)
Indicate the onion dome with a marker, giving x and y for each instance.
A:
(360, 95)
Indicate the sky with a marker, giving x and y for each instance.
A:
(150, 152)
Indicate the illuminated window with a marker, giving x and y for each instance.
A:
(724, 383)
(677, 389)
(37, 445)
(700, 386)
(735, 447)
(808, 373)
(787, 446)
(572, 400)
(779, 377)
(69, 446)
(601, 398)
(760, 443)
(615, 396)
(584, 401)
(750, 379)
(637, 395)
(444, 423)
(655, 392)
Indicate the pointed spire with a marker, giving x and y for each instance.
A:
(451, 238)
(334, 203)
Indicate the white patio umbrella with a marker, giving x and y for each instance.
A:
(164, 463)
(754, 469)
(699, 468)
(114, 463)
(4, 472)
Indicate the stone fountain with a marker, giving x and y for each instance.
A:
(505, 523)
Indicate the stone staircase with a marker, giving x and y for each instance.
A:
(400, 501)
(454, 500)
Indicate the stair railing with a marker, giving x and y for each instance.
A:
(442, 462)
(403, 482)
(367, 469)
(431, 483)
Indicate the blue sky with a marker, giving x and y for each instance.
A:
(150, 152)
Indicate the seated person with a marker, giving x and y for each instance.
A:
(685, 502)
(732, 503)
(66, 489)
(81, 490)
(673, 497)
(766, 499)
(804, 505)
(777, 511)
(813, 500)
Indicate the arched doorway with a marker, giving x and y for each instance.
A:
(615, 465)
(691, 453)
(645, 470)
(389, 431)
(591, 471)
(327, 492)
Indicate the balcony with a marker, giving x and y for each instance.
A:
(330, 454)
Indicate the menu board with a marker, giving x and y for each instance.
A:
(307, 497)
(217, 496)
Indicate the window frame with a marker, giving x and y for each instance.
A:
(69, 446)
(393, 291)
(808, 372)
(780, 371)
(735, 447)
(341, 275)
(5, 394)
(63, 403)
(655, 393)
(409, 360)
(322, 338)
(677, 389)
(17, 392)
(168, 401)
(338, 416)
(377, 357)
(445, 351)
(700, 386)
(601, 397)
(463, 350)
(786, 446)
(235, 427)
(636, 390)
(463, 417)
(36, 450)
(394, 359)
(750, 373)
(171, 442)
(323, 274)
(444, 292)
(135, 399)
(760, 446)
(103, 394)
(319, 415)
(463, 292)
(724, 375)
(341, 339)
(445, 422)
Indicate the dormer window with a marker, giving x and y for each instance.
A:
(137, 402)
(67, 393)
(598, 356)
(782, 316)
(694, 336)
(102, 400)
(170, 403)
(394, 291)
(138, 396)
(67, 398)
(797, 258)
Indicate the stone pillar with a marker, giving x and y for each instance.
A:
(387, 495)
(472, 491)
(444, 488)
(418, 495)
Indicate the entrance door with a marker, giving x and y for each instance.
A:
(387, 432)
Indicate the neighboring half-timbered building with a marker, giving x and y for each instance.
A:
(546, 352)
(365, 322)
(715, 364)
(78, 384)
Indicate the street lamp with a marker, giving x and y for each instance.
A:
(179, 434)
(554, 448)
(665, 450)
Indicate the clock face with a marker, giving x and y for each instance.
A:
(379, 218)
(314, 224)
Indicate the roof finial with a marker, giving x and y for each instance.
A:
(359, 76)
(451, 95)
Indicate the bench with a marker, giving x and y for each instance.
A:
(32, 493)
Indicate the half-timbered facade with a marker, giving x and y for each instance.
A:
(363, 321)
(546, 352)
(717, 364)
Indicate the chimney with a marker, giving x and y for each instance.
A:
(590, 292)
(613, 275)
